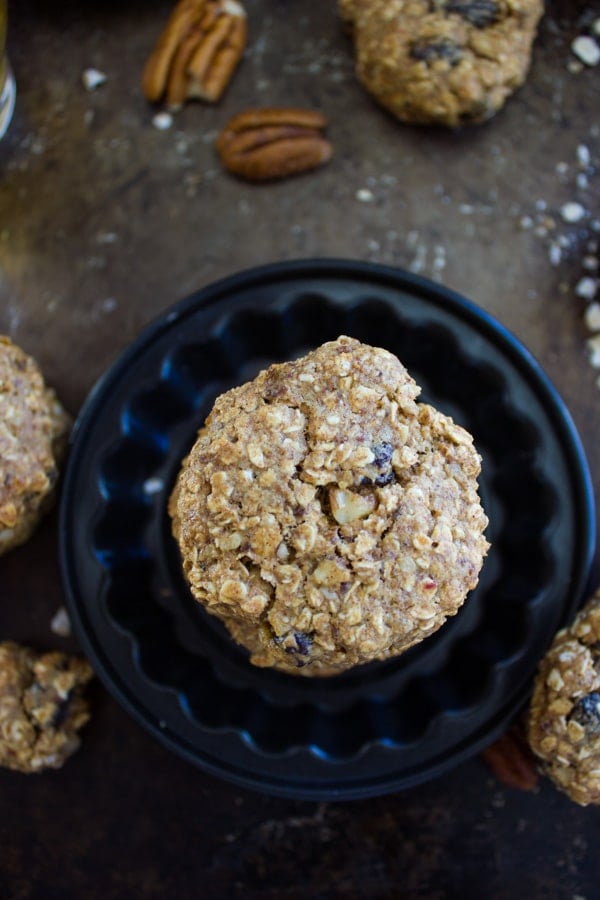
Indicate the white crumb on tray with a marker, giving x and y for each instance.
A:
(61, 623)
(583, 155)
(586, 49)
(93, 78)
(592, 317)
(162, 121)
(365, 195)
(573, 212)
(586, 288)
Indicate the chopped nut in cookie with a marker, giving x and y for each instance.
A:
(367, 532)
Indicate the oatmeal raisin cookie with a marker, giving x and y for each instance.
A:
(41, 707)
(444, 62)
(325, 516)
(33, 436)
(564, 722)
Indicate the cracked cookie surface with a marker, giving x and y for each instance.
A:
(41, 707)
(564, 721)
(33, 437)
(444, 62)
(326, 517)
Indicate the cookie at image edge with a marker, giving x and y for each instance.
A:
(33, 438)
(445, 62)
(326, 517)
(564, 718)
(42, 707)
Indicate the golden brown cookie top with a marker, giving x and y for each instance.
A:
(442, 61)
(564, 724)
(327, 517)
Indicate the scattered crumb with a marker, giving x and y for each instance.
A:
(592, 317)
(439, 258)
(586, 49)
(586, 288)
(107, 237)
(573, 212)
(365, 195)
(583, 155)
(162, 121)
(594, 351)
(61, 623)
(568, 234)
(554, 254)
(153, 486)
(92, 78)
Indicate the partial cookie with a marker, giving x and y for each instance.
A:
(33, 437)
(444, 62)
(41, 707)
(564, 723)
(327, 518)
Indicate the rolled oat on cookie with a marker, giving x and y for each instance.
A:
(326, 517)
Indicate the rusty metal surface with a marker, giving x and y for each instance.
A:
(104, 222)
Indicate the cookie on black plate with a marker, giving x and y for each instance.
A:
(326, 517)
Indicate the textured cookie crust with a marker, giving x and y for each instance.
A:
(444, 62)
(33, 436)
(564, 722)
(326, 517)
(41, 707)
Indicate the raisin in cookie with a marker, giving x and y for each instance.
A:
(41, 707)
(327, 518)
(444, 62)
(564, 722)
(33, 437)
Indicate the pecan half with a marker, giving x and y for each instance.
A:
(265, 144)
(197, 52)
(511, 759)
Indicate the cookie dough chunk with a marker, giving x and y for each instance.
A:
(41, 707)
(444, 62)
(564, 722)
(33, 437)
(325, 516)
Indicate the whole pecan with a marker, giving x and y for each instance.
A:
(197, 52)
(265, 144)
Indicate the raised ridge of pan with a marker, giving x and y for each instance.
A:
(380, 727)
